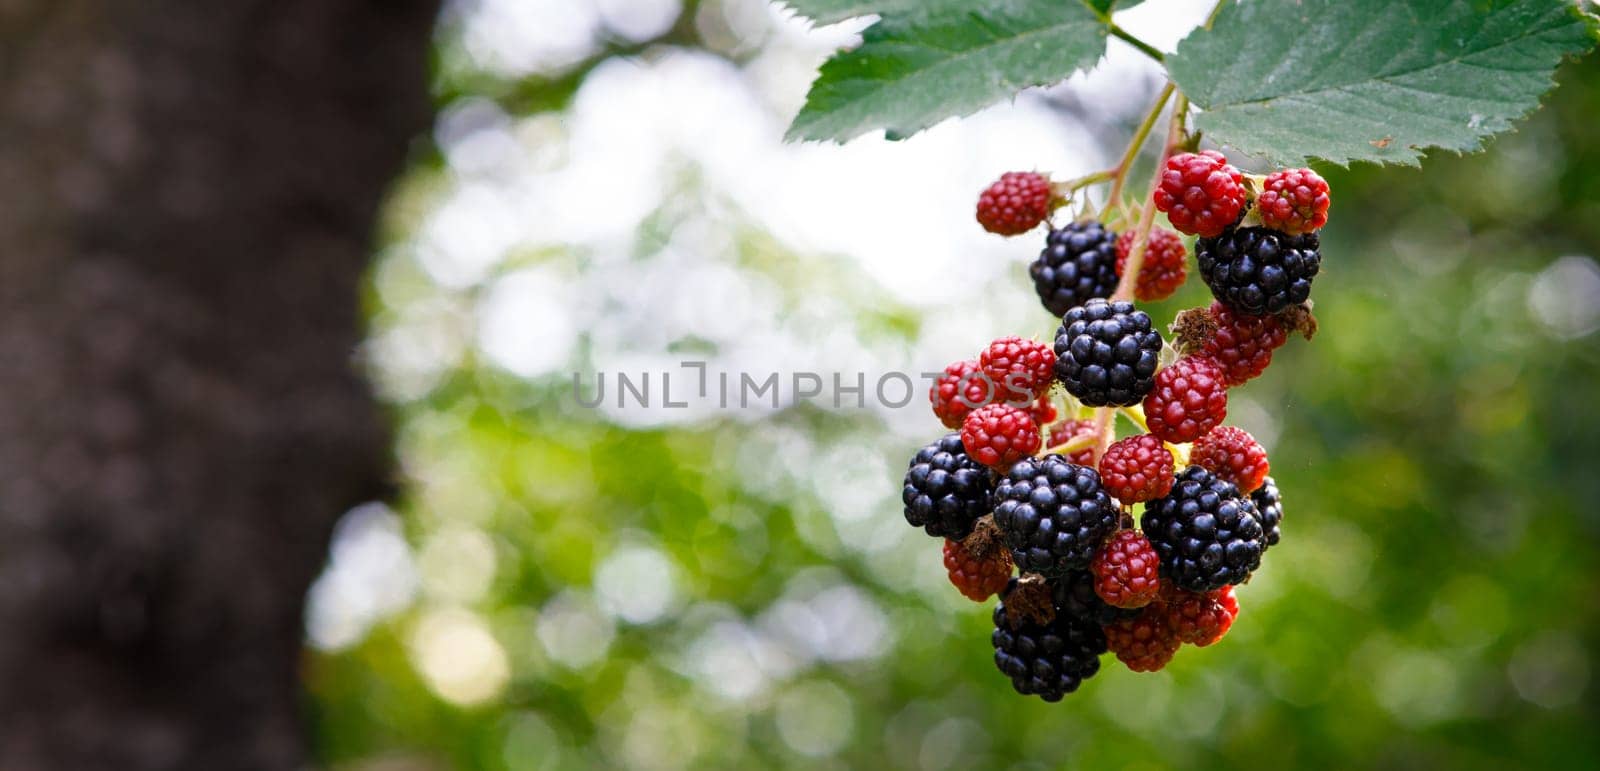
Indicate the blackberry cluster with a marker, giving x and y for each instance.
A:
(1078, 264)
(1032, 493)
(1107, 353)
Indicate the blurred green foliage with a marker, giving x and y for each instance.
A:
(1433, 604)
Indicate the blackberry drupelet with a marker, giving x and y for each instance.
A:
(1269, 503)
(1208, 535)
(1079, 263)
(1107, 353)
(945, 490)
(1046, 660)
(1259, 271)
(1054, 514)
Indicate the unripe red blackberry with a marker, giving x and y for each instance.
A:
(962, 389)
(1022, 369)
(1294, 201)
(1126, 571)
(1242, 344)
(1137, 469)
(999, 435)
(1188, 400)
(1200, 193)
(977, 577)
(1145, 643)
(1016, 203)
(1044, 410)
(1165, 266)
(1201, 618)
(1232, 454)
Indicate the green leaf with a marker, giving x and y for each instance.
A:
(1104, 6)
(830, 11)
(1373, 80)
(947, 58)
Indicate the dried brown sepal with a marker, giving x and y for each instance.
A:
(1030, 600)
(985, 538)
(1192, 329)
(1298, 318)
(1125, 522)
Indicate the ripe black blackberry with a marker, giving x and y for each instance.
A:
(1075, 596)
(1259, 271)
(1046, 660)
(1208, 535)
(1107, 353)
(1269, 503)
(945, 490)
(1054, 514)
(1079, 263)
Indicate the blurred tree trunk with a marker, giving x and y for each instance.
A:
(187, 199)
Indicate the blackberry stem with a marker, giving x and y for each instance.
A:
(1126, 164)
(1147, 217)
(1073, 445)
(1144, 48)
(1104, 432)
(1135, 413)
(1141, 238)
(1215, 9)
